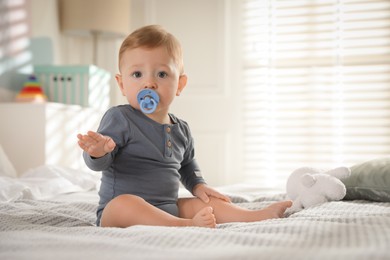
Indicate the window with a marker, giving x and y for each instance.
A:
(316, 85)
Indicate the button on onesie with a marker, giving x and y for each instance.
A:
(168, 141)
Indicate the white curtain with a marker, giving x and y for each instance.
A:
(317, 84)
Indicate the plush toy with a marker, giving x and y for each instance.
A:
(307, 186)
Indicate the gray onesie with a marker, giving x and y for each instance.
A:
(149, 160)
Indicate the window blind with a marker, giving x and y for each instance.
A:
(316, 77)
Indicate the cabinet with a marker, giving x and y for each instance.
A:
(37, 134)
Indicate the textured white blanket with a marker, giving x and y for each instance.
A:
(32, 229)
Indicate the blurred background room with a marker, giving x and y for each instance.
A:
(273, 84)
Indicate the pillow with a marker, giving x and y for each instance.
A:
(369, 181)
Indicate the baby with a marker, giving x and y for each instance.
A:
(144, 156)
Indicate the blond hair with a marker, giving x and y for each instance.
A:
(153, 36)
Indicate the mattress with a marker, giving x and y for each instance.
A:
(63, 228)
(49, 213)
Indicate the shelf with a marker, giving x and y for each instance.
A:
(34, 134)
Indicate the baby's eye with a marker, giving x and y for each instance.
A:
(162, 74)
(136, 74)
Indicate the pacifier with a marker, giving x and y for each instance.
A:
(148, 100)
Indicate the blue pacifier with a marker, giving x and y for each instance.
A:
(148, 100)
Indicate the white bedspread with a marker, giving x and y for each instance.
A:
(31, 229)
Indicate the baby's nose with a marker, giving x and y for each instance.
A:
(150, 84)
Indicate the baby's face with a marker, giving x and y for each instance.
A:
(149, 68)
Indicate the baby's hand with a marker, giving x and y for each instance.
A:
(203, 192)
(95, 144)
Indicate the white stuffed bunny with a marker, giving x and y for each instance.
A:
(307, 186)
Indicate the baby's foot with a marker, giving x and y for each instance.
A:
(276, 210)
(204, 218)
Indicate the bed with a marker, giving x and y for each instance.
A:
(41, 223)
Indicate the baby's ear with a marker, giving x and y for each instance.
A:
(308, 180)
(182, 84)
(119, 81)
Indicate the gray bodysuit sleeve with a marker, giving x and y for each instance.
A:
(190, 172)
(98, 164)
(190, 175)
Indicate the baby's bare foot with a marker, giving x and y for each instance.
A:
(276, 210)
(204, 218)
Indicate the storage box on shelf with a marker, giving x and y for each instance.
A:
(84, 85)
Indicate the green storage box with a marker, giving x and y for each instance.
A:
(84, 85)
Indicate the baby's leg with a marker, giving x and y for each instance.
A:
(228, 212)
(128, 210)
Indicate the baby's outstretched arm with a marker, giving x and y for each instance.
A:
(95, 144)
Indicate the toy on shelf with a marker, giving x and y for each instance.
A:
(31, 92)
